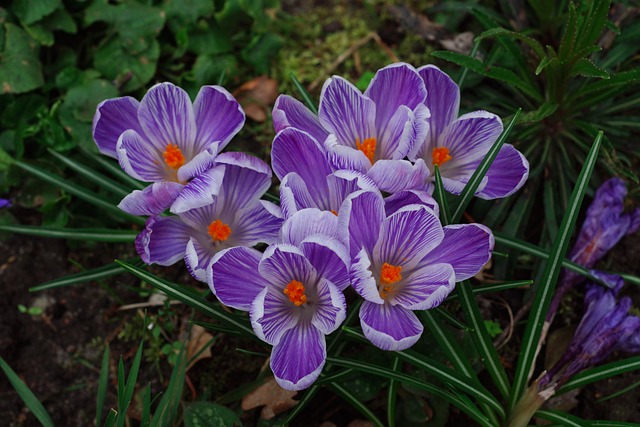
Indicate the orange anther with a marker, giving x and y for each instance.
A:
(173, 156)
(219, 231)
(440, 156)
(368, 147)
(295, 292)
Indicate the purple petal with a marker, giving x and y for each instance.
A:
(272, 314)
(629, 337)
(407, 236)
(330, 307)
(362, 278)
(163, 240)
(246, 179)
(389, 327)
(426, 287)
(359, 219)
(413, 144)
(112, 118)
(393, 141)
(399, 175)
(308, 222)
(198, 257)
(202, 162)
(141, 160)
(443, 99)
(218, 117)
(166, 115)
(343, 157)
(282, 263)
(296, 151)
(233, 277)
(507, 174)
(346, 113)
(298, 359)
(153, 200)
(329, 257)
(200, 191)
(289, 112)
(294, 195)
(401, 199)
(258, 224)
(467, 247)
(394, 86)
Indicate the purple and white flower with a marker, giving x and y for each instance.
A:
(234, 217)
(370, 133)
(292, 292)
(405, 261)
(457, 145)
(168, 141)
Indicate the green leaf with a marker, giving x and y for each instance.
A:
(392, 393)
(545, 289)
(600, 373)
(20, 68)
(187, 12)
(304, 94)
(124, 399)
(27, 396)
(544, 111)
(84, 234)
(200, 414)
(30, 11)
(585, 67)
(115, 63)
(103, 383)
(544, 63)
(441, 197)
(497, 32)
(564, 419)
(165, 414)
(208, 68)
(493, 287)
(474, 182)
(261, 51)
(86, 276)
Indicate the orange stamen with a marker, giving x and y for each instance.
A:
(389, 275)
(295, 292)
(219, 231)
(173, 156)
(334, 212)
(368, 147)
(440, 156)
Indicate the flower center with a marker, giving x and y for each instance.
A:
(440, 156)
(219, 231)
(295, 292)
(334, 212)
(173, 156)
(389, 276)
(368, 147)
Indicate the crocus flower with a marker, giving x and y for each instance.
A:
(404, 262)
(370, 133)
(289, 293)
(457, 145)
(5, 203)
(235, 217)
(168, 141)
(308, 180)
(604, 226)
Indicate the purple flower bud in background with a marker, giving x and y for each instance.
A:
(5, 203)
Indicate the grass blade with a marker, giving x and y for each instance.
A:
(79, 192)
(475, 180)
(167, 409)
(200, 304)
(481, 338)
(392, 394)
(114, 169)
(111, 418)
(562, 418)
(544, 293)
(91, 175)
(85, 234)
(103, 383)
(27, 396)
(600, 373)
(146, 406)
(355, 403)
(304, 94)
(124, 398)
(86, 276)
(492, 288)
(441, 197)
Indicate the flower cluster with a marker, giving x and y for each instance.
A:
(355, 204)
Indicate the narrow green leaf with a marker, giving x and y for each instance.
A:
(355, 403)
(167, 409)
(607, 423)
(91, 175)
(481, 338)
(586, 68)
(124, 398)
(544, 63)
(86, 276)
(619, 393)
(497, 32)
(358, 365)
(111, 418)
(114, 169)
(493, 287)
(600, 373)
(103, 383)
(84, 234)
(392, 394)
(304, 94)
(562, 418)
(146, 406)
(451, 319)
(79, 192)
(475, 180)
(552, 269)
(27, 396)
(175, 291)
(441, 197)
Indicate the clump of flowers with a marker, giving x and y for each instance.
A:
(334, 228)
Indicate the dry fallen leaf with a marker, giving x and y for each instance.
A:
(256, 97)
(274, 398)
(200, 340)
